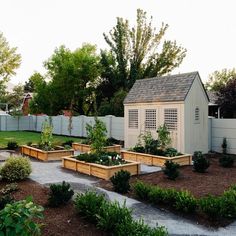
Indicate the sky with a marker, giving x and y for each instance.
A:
(206, 28)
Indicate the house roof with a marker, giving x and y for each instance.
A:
(161, 89)
(212, 97)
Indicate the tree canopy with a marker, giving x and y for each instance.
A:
(219, 79)
(227, 99)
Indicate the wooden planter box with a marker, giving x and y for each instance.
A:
(100, 171)
(185, 159)
(45, 155)
(87, 148)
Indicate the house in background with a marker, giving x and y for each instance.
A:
(214, 108)
(25, 104)
(180, 101)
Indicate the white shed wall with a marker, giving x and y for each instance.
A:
(196, 134)
(131, 134)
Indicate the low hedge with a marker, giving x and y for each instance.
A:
(215, 207)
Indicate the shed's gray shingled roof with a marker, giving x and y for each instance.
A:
(161, 89)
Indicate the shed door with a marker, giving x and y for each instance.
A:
(171, 121)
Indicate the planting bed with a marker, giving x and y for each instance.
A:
(215, 182)
(100, 171)
(87, 148)
(155, 160)
(57, 221)
(55, 155)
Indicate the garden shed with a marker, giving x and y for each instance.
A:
(180, 101)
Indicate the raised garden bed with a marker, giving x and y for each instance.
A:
(100, 171)
(87, 148)
(148, 159)
(42, 155)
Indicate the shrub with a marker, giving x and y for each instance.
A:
(142, 190)
(12, 145)
(16, 168)
(224, 146)
(18, 218)
(228, 204)
(4, 200)
(226, 161)
(68, 143)
(89, 204)
(138, 148)
(87, 157)
(171, 152)
(9, 188)
(120, 181)
(29, 143)
(184, 201)
(60, 194)
(200, 163)
(171, 170)
(211, 206)
(112, 215)
(169, 195)
(138, 228)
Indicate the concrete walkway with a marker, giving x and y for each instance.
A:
(46, 173)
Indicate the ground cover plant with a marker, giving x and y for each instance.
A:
(24, 137)
(103, 158)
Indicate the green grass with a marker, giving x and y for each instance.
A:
(22, 137)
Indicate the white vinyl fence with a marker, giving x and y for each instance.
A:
(219, 129)
(114, 125)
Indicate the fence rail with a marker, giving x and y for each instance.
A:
(61, 125)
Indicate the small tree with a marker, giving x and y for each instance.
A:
(97, 135)
(46, 135)
(224, 146)
(164, 136)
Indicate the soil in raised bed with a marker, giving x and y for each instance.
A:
(215, 181)
(57, 221)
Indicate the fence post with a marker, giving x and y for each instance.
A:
(109, 125)
(82, 126)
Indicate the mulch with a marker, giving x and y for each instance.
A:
(57, 221)
(215, 181)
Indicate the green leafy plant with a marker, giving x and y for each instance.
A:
(29, 143)
(89, 204)
(142, 190)
(97, 135)
(18, 218)
(171, 152)
(4, 200)
(12, 145)
(228, 203)
(224, 146)
(111, 215)
(138, 148)
(171, 169)
(200, 163)
(15, 169)
(226, 161)
(46, 136)
(164, 136)
(184, 201)
(120, 181)
(60, 194)
(68, 143)
(211, 206)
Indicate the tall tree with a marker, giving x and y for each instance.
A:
(219, 79)
(69, 76)
(31, 84)
(9, 62)
(227, 99)
(136, 50)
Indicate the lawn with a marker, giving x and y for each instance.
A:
(22, 137)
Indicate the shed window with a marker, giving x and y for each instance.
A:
(197, 115)
(133, 118)
(150, 119)
(171, 118)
